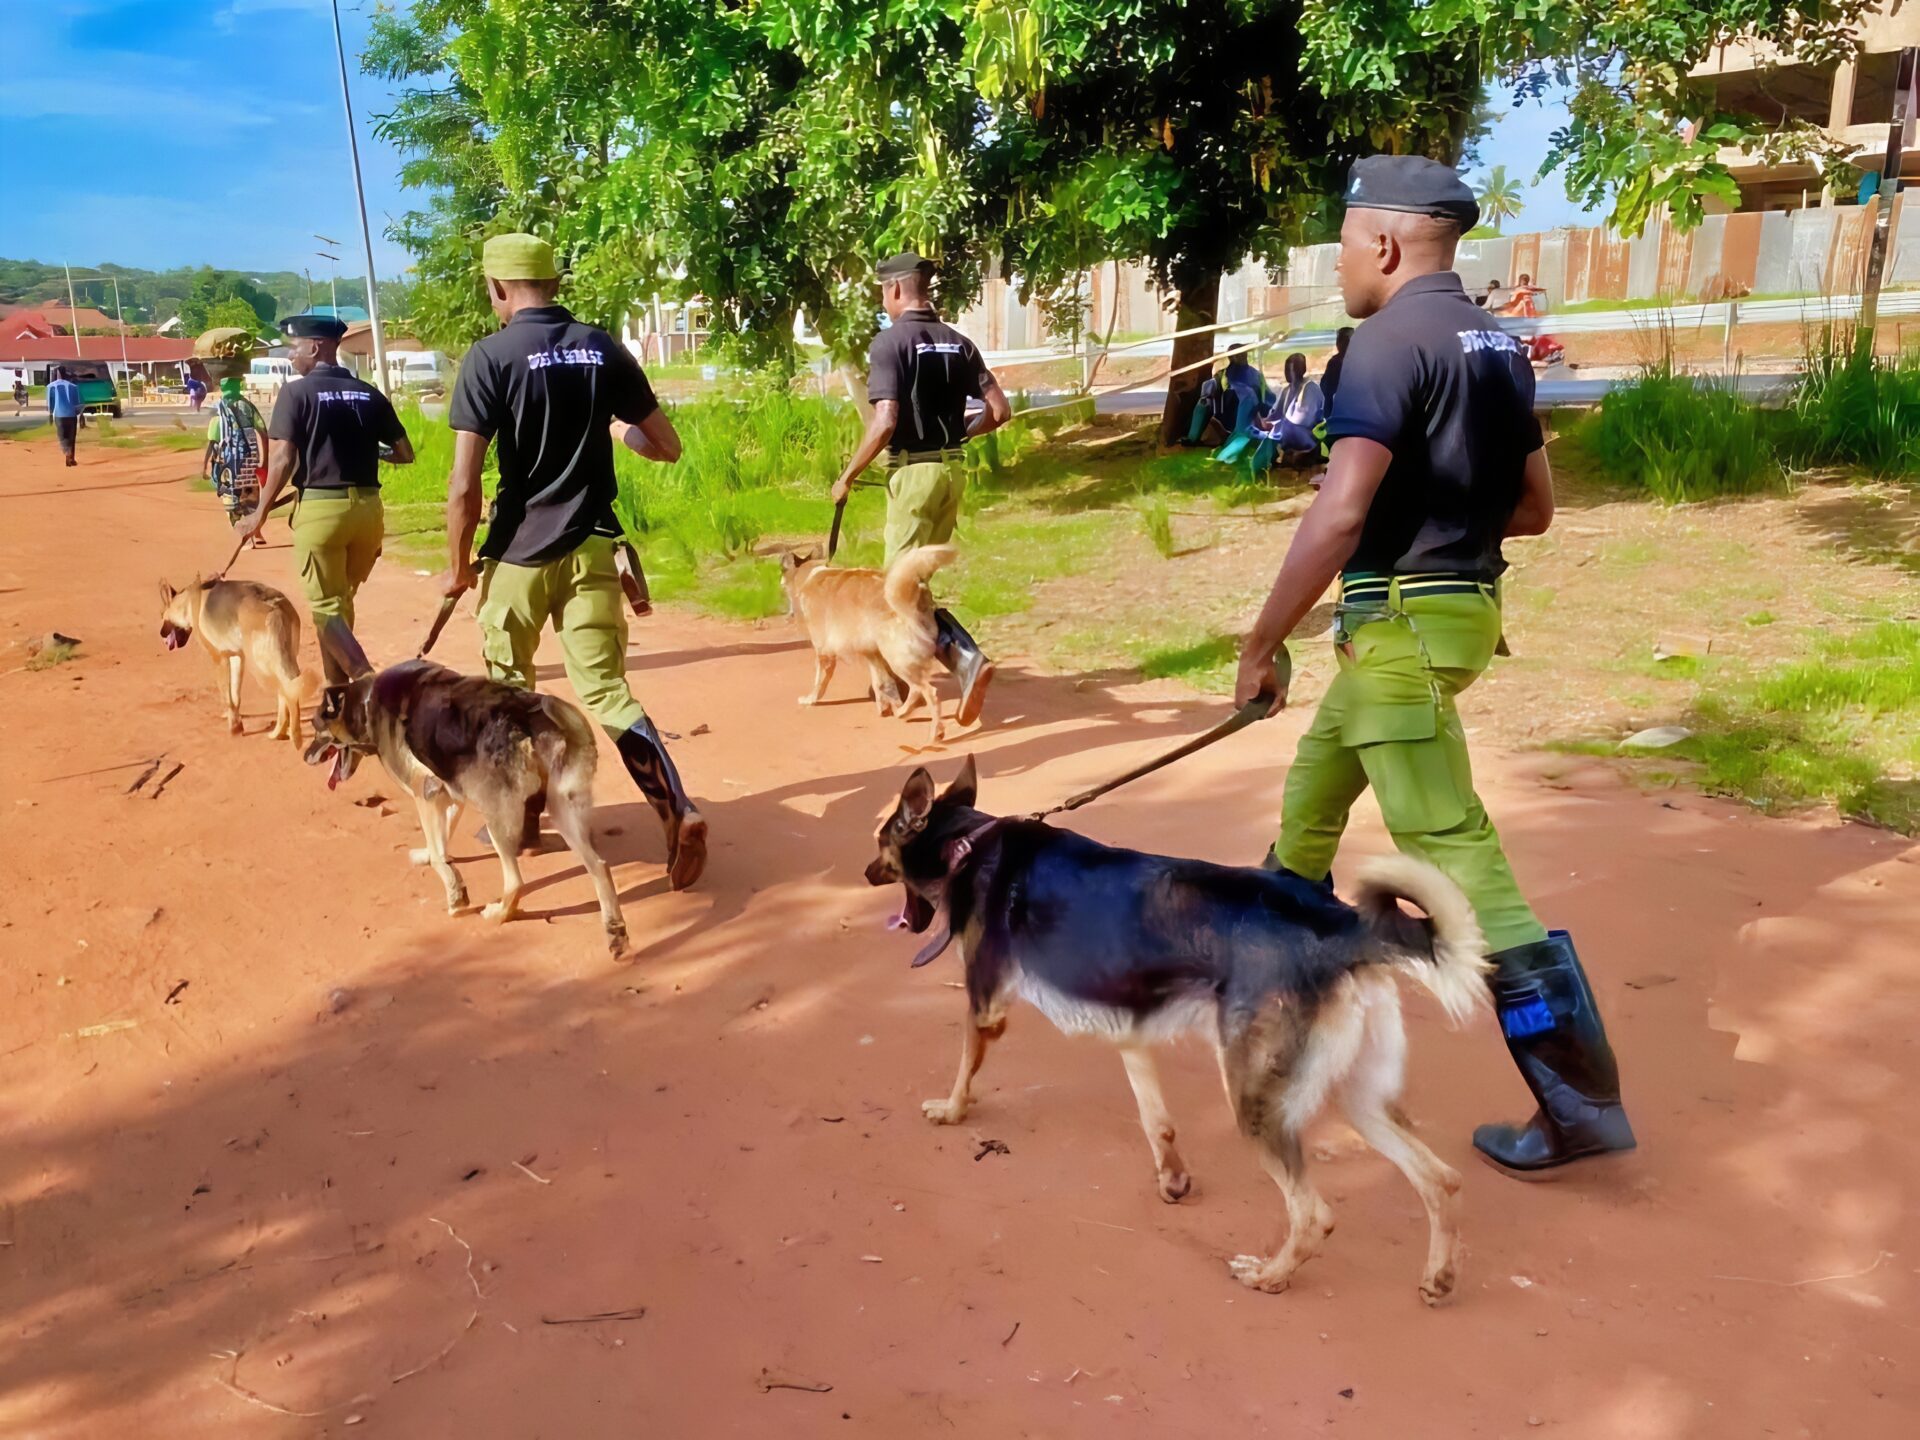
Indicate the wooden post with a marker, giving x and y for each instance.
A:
(1889, 189)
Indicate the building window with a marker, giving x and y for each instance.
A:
(1873, 81)
(1777, 94)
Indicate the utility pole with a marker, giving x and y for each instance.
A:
(71, 307)
(333, 275)
(360, 193)
(1889, 192)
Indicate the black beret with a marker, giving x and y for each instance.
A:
(1413, 185)
(313, 327)
(902, 265)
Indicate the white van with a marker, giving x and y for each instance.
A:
(268, 373)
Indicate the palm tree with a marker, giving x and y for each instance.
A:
(1499, 197)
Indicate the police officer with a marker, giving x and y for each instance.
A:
(549, 389)
(1436, 459)
(921, 373)
(331, 426)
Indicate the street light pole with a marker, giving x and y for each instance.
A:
(333, 276)
(360, 193)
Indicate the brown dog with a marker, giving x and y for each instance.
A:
(881, 618)
(238, 621)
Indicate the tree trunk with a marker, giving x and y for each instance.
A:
(1199, 305)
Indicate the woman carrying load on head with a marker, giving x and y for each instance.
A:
(236, 453)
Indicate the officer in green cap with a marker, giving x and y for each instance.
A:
(329, 427)
(1437, 458)
(921, 373)
(548, 388)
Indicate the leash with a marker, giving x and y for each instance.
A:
(1257, 708)
(439, 623)
(840, 512)
(221, 574)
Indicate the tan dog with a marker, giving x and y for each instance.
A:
(239, 621)
(881, 618)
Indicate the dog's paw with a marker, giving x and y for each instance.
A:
(1438, 1286)
(236, 727)
(806, 700)
(497, 913)
(617, 939)
(1175, 1186)
(1256, 1273)
(943, 1112)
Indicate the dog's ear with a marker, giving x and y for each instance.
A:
(965, 788)
(793, 560)
(167, 592)
(333, 702)
(916, 798)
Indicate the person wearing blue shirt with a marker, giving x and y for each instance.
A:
(63, 405)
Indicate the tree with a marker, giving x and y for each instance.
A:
(232, 311)
(1499, 198)
(763, 156)
(211, 287)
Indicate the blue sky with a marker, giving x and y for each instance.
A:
(118, 140)
(160, 134)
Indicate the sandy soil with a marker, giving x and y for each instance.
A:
(271, 1125)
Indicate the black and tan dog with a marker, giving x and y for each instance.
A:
(456, 740)
(1294, 987)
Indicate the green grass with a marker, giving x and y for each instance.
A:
(114, 434)
(1679, 441)
(1856, 409)
(1157, 521)
(1842, 727)
(52, 655)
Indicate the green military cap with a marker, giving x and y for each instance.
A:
(518, 257)
(902, 265)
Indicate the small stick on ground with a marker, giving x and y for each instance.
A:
(166, 780)
(146, 774)
(636, 1313)
(530, 1175)
(1010, 1334)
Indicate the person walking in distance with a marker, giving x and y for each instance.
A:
(1437, 458)
(64, 407)
(328, 428)
(922, 372)
(547, 389)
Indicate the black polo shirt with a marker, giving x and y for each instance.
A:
(547, 387)
(932, 370)
(337, 424)
(1436, 380)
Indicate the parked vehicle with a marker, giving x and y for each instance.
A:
(95, 379)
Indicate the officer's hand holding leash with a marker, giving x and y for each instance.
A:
(1325, 541)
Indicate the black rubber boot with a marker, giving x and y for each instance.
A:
(965, 662)
(1271, 861)
(1552, 1024)
(652, 770)
(340, 654)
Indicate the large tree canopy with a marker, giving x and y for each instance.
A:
(763, 153)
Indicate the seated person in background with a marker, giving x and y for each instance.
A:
(1297, 409)
(1526, 303)
(1330, 377)
(1232, 398)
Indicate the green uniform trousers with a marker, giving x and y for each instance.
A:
(923, 502)
(1389, 721)
(336, 538)
(580, 593)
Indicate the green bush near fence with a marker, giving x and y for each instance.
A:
(1851, 408)
(1679, 440)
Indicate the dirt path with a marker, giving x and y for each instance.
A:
(305, 1157)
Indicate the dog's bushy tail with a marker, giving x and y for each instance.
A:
(1446, 952)
(910, 572)
(282, 660)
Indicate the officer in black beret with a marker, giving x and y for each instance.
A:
(1437, 458)
(331, 426)
(921, 373)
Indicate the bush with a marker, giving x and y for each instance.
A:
(1854, 408)
(1680, 440)
(1157, 521)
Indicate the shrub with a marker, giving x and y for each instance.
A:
(1680, 440)
(1854, 408)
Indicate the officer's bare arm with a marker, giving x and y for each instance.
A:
(400, 452)
(1534, 513)
(886, 415)
(654, 438)
(1324, 542)
(279, 476)
(463, 509)
(998, 410)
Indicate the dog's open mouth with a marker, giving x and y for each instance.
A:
(340, 762)
(914, 915)
(173, 635)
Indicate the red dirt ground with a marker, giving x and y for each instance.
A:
(258, 1183)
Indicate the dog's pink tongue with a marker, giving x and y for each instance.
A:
(333, 770)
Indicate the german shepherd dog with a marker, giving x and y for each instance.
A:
(456, 740)
(880, 618)
(1294, 987)
(238, 621)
